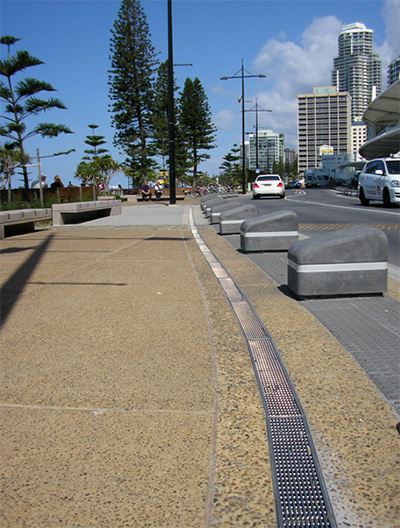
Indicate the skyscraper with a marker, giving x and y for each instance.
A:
(393, 71)
(324, 119)
(357, 69)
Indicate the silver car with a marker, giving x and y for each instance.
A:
(268, 185)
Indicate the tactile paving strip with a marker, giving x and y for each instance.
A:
(300, 494)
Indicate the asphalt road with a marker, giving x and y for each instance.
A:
(319, 208)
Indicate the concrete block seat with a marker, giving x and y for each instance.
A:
(216, 210)
(77, 212)
(231, 220)
(205, 199)
(271, 232)
(350, 261)
(210, 204)
(21, 221)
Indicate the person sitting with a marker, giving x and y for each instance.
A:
(57, 183)
(36, 184)
(146, 192)
(158, 187)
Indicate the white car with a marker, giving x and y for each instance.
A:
(268, 185)
(380, 180)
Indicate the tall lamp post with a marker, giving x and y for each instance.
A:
(171, 117)
(241, 75)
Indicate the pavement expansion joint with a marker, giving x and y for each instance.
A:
(106, 411)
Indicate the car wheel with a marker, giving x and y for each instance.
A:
(386, 197)
(363, 200)
(282, 195)
(256, 196)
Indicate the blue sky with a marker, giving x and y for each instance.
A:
(292, 42)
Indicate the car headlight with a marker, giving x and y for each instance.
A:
(395, 183)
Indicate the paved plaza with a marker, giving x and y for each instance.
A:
(128, 397)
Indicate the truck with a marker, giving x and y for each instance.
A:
(316, 177)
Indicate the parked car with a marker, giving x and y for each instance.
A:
(380, 180)
(268, 185)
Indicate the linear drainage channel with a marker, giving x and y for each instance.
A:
(301, 497)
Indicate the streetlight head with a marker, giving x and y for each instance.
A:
(223, 78)
(261, 75)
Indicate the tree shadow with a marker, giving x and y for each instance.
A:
(12, 289)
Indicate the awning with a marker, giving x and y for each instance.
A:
(382, 146)
(384, 111)
(385, 108)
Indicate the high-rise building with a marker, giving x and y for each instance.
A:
(323, 122)
(393, 71)
(290, 155)
(357, 69)
(269, 149)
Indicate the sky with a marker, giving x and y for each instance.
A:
(291, 42)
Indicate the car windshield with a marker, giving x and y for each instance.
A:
(393, 167)
(268, 178)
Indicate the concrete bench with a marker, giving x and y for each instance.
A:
(271, 232)
(346, 262)
(21, 221)
(211, 203)
(77, 212)
(219, 208)
(230, 221)
(213, 197)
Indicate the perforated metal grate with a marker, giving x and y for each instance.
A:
(300, 494)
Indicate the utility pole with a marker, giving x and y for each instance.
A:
(243, 77)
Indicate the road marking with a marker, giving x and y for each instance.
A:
(391, 213)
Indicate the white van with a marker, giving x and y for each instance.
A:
(380, 180)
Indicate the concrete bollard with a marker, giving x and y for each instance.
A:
(271, 232)
(217, 209)
(346, 262)
(211, 203)
(230, 221)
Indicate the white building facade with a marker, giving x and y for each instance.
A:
(263, 153)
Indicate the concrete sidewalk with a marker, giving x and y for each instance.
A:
(128, 397)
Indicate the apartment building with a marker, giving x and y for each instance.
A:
(357, 69)
(324, 118)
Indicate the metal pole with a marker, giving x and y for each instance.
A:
(256, 135)
(40, 178)
(171, 117)
(243, 133)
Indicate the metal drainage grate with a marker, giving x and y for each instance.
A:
(300, 494)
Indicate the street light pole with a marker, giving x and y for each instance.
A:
(243, 77)
(171, 117)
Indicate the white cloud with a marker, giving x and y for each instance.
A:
(391, 17)
(224, 120)
(295, 68)
(390, 49)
